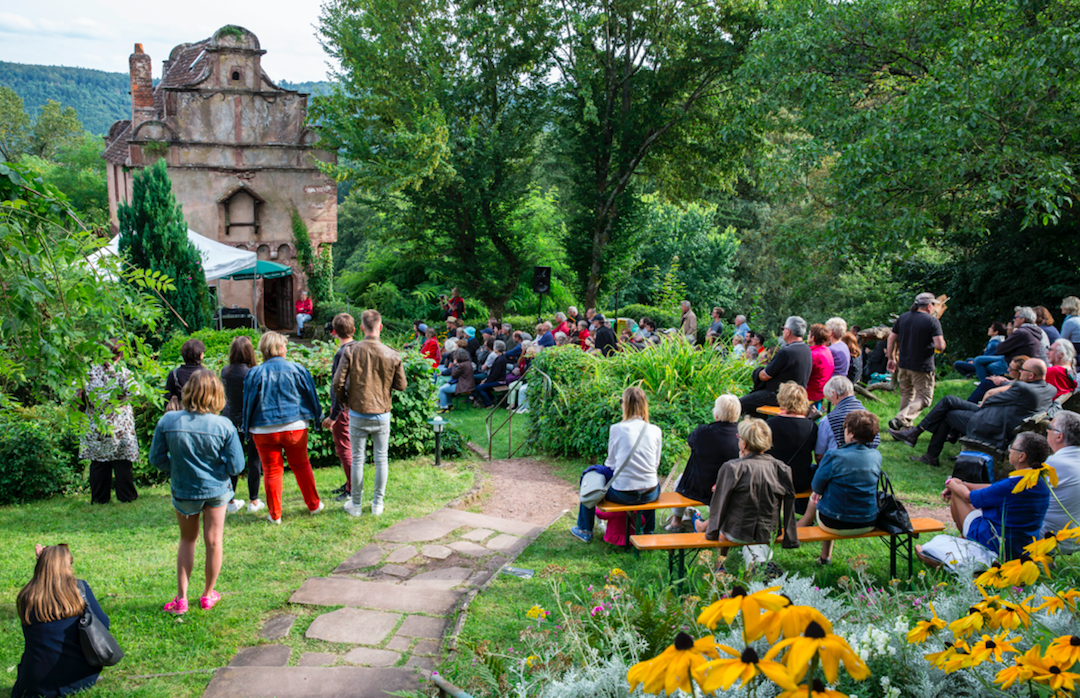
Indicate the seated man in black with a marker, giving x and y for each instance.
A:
(993, 422)
(496, 376)
(791, 363)
(604, 336)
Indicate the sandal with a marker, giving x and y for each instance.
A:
(824, 561)
(177, 606)
(207, 602)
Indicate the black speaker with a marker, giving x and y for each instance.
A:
(541, 279)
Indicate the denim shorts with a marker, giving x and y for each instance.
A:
(192, 507)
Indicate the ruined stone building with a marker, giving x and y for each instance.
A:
(239, 154)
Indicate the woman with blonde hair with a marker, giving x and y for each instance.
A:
(280, 401)
(49, 606)
(793, 434)
(201, 450)
(633, 458)
(754, 499)
(711, 445)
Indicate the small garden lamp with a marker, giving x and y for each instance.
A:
(438, 424)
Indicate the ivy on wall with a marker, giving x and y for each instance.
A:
(319, 269)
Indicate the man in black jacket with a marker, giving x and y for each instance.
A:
(792, 363)
(993, 422)
(604, 336)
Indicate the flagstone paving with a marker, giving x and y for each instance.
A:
(393, 601)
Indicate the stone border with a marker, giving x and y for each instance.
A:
(463, 609)
(478, 485)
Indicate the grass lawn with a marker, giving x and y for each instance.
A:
(128, 554)
(498, 615)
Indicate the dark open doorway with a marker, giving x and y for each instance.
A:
(278, 303)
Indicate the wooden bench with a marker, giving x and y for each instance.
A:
(679, 543)
(770, 410)
(666, 500)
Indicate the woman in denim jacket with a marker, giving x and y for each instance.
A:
(844, 501)
(280, 401)
(202, 451)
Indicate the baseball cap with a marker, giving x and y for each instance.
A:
(487, 330)
(599, 318)
(925, 299)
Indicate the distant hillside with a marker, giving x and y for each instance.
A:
(100, 98)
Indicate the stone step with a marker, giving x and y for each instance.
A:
(345, 591)
(310, 682)
(466, 518)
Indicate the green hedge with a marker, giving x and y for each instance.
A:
(217, 345)
(39, 454)
(681, 382)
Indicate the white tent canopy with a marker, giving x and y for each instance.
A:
(218, 259)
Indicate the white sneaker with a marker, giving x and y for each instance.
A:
(234, 506)
(255, 506)
(274, 521)
(322, 505)
(352, 510)
(376, 509)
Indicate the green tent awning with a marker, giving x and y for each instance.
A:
(261, 270)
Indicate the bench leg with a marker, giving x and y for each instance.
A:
(896, 544)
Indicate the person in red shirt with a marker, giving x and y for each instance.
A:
(431, 348)
(303, 312)
(1060, 374)
(583, 334)
(821, 363)
(562, 326)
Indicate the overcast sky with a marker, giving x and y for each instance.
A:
(102, 33)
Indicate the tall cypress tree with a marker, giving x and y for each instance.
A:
(153, 235)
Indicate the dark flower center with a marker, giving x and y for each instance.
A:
(815, 631)
(990, 644)
(974, 611)
(749, 656)
(819, 687)
(738, 591)
(1055, 670)
(683, 642)
(1074, 641)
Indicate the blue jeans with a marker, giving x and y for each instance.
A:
(301, 318)
(484, 391)
(965, 368)
(586, 517)
(379, 432)
(446, 393)
(990, 365)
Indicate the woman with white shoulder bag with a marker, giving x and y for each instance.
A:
(632, 461)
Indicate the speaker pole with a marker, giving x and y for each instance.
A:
(539, 306)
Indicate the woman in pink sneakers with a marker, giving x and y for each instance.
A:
(202, 451)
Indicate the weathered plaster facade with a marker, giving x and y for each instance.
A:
(239, 155)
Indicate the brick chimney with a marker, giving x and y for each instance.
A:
(142, 87)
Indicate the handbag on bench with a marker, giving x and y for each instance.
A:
(892, 516)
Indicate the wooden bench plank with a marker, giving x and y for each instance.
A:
(808, 534)
(667, 500)
(769, 410)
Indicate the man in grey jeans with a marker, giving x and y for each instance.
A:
(366, 374)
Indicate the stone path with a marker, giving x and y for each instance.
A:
(394, 601)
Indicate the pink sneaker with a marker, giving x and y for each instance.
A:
(177, 606)
(207, 602)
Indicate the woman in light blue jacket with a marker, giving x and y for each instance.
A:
(202, 452)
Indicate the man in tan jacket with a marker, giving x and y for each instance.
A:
(688, 322)
(368, 371)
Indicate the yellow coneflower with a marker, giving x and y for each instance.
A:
(790, 621)
(925, 628)
(751, 606)
(938, 659)
(1029, 477)
(991, 577)
(1070, 532)
(818, 691)
(831, 649)
(1021, 671)
(1052, 673)
(1064, 650)
(1065, 600)
(966, 625)
(743, 667)
(994, 647)
(1041, 546)
(1017, 572)
(671, 668)
(1011, 615)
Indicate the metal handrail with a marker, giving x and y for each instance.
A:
(508, 422)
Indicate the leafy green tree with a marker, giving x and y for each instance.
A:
(79, 172)
(435, 118)
(58, 310)
(14, 125)
(642, 91)
(153, 236)
(55, 129)
(922, 116)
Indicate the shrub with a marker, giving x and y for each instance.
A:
(39, 454)
(573, 416)
(663, 317)
(217, 345)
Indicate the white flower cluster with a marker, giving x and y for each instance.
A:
(871, 643)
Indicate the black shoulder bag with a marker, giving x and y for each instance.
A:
(892, 516)
(99, 646)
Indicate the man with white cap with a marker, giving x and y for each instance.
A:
(910, 348)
